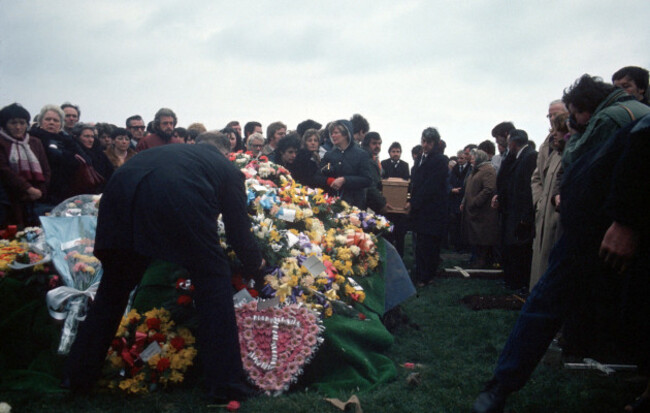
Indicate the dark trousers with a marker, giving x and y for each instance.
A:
(427, 257)
(558, 295)
(516, 265)
(396, 237)
(217, 337)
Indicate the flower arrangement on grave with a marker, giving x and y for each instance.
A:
(276, 343)
(148, 352)
(292, 222)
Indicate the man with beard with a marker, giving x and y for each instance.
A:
(164, 123)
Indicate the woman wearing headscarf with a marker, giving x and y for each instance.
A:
(24, 170)
(481, 221)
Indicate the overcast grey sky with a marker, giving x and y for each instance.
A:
(461, 66)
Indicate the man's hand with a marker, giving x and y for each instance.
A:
(619, 246)
(407, 207)
(495, 202)
(455, 190)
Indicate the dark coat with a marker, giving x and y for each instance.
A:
(16, 186)
(374, 198)
(101, 163)
(353, 163)
(430, 196)
(480, 220)
(165, 201)
(516, 201)
(399, 169)
(457, 180)
(304, 168)
(60, 149)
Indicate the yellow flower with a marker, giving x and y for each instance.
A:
(274, 236)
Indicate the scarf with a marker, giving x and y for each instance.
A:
(22, 160)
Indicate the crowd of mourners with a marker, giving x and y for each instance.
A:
(558, 218)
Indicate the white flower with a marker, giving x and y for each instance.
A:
(5, 407)
(355, 250)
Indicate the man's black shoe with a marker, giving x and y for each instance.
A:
(492, 399)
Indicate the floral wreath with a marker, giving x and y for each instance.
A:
(148, 351)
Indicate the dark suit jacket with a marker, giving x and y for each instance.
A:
(164, 204)
(516, 199)
(430, 195)
(389, 170)
(457, 180)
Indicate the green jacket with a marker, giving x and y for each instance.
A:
(610, 116)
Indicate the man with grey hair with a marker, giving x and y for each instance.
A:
(539, 175)
(255, 143)
(164, 123)
(216, 138)
(72, 115)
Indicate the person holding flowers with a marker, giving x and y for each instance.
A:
(345, 169)
(164, 204)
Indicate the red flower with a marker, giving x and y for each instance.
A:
(362, 316)
(117, 344)
(233, 405)
(133, 321)
(184, 300)
(178, 342)
(153, 323)
(163, 364)
(159, 337)
(264, 158)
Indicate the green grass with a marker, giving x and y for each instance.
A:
(457, 348)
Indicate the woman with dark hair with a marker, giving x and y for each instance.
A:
(24, 170)
(287, 150)
(345, 169)
(104, 131)
(93, 155)
(119, 151)
(236, 144)
(60, 149)
(307, 159)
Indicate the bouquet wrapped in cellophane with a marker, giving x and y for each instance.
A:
(72, 242)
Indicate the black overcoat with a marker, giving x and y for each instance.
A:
(164, 204)
(430, 196)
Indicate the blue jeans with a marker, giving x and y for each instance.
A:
(549, 304)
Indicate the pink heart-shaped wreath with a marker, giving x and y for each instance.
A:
(276, 343)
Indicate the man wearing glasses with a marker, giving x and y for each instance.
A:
(135, 126)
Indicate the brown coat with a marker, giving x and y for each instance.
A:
(480, 220)
(547, 220)
(115, 160)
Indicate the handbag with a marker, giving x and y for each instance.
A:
(86, 179)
